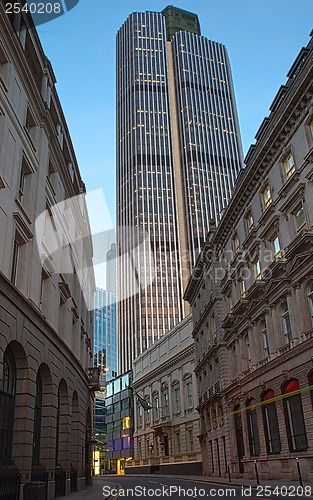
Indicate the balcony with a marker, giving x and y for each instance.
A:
(93, 375)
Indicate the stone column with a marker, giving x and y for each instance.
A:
(301, 314)
(296, 323)
(49, 90)
(23, 32)
(270, 332)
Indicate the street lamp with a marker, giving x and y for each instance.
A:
(150, 447)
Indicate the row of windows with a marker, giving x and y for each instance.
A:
(293, 414)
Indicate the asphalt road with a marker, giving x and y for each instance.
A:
(152, 487)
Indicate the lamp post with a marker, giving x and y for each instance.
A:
(150, 448)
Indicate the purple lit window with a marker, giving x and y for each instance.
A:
(117, 444)
(127, 442)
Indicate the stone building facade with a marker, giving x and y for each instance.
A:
(251, 293)
(46, 329)
(165, 437)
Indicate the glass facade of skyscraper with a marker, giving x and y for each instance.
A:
(105, 351)
(178, 155)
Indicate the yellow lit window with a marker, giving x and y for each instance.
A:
(242, 288)
(299, 219)
(289, 166)
(126, 423)
(266, 196)
(257, 269)
(276, 246)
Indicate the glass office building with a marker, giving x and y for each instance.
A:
(105, 341)
(178, 155)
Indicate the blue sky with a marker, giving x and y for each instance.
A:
(262, 38)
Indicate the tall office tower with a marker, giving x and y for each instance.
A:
(105, 355)
(178, 155)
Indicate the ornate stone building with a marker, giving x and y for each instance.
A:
(46, 329)
(165, 437)
(252, 301)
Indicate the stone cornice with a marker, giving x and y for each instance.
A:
(162, 368)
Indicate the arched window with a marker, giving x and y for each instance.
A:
(310, 299)
(270, 421)
(286, 323)
(253, 431)
(37, 420)
(294, 417)
(7, 404)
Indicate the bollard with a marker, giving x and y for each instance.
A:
(299, 472)
(256, 473)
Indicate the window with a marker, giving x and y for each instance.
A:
(249, 222)
(257, 269)
(14, 262)
(266, 197)
(265, 339)
(294, 417)
(190, 440)
(156, 408)
(275, 247)
(165, 404)
(289, 166)
(286, 323)
(21, 186)
(126, 423)
(213, 326)
(189, 394)
(178, 442)
(229, 300)
(242, 288)
(310, 299)
(236, 244)
(270, 423)
(7, 404)
(299, 219)
(177, 400)
(253, 431)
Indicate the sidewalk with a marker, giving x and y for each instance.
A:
(94, 492)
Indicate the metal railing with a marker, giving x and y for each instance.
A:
(60, 479)
(10, 487)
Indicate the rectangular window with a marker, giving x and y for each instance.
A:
(178, 442)
(177, 400)
(265, 339)
(156, 408)
(249, 222)
(14, 267)
(242, 288)
(21, 186)
(189, 394)
(289, 166)
(190, 440)
(299, 219)
(275, 246)
(266, 197)
(257, 269)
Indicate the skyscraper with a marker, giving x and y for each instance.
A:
(105, 355)
(178, 155)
